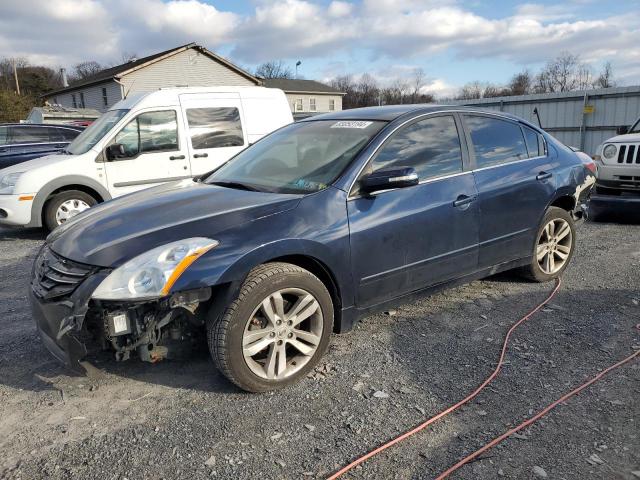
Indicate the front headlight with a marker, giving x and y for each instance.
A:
(609, 152)
(152, 274)
(8, 182)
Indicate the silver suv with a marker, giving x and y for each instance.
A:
(618, 162)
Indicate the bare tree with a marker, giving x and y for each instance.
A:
(471, 91)
(127, 57)
(521, 83)
(84, 70)
(605, 79)
(564, 73)
(274, 69)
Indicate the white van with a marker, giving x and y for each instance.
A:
(144, 140)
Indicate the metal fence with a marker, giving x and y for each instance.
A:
(582, 119)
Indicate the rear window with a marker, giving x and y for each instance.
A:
(62, 134)
(28, 134)
(535, 145)
(495, 141)
(215, 127)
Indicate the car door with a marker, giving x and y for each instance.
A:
(405, 239)
(153, 153)
(515, 184)
(215, 129)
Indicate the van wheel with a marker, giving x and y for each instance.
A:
(275, 331)
(554, 246)
(65, 205)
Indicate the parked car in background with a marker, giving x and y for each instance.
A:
(297, 236)
(143, 140)
(20, 142)
(618, 161)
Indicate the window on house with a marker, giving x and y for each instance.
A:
(82, 100)
(105, 100)
(332, 105)
(312, 104)
(215, 127)
(74, 103)
(299, 105)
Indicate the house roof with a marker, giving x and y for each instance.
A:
(300, 86)
(125, 68)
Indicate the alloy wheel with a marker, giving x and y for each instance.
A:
(282, 334)
(70, 208)
(554, 246)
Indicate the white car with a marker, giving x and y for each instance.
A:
(142, 141)
(618, 162)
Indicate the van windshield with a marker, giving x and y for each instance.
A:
(92, 135)
(300, 158)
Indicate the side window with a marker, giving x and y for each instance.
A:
(55, 134)
(215, 127)
(495, 141)
(3, 135)
(430, 146)
(28, 135)
(535, 145)
(69, 134)
(149, 132)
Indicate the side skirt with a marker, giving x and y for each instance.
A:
(351, 315)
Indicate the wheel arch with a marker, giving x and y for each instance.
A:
(61, 184)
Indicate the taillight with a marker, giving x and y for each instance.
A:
(591, 166)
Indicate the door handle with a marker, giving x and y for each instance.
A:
(176, 157)
(544, 176)
(201, 155)
(463, 200)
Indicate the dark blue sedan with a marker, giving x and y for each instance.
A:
(313, 226)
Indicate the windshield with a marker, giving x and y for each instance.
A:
(98, 129)
(301, 158)
(636, 127)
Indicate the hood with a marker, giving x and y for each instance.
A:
(112, 233)
(35, 163)
(628, 138)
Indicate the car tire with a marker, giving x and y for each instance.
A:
(266, 305)
(65, 205)
(553, 247)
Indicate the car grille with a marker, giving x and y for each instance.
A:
(55, 277)
(629, 154)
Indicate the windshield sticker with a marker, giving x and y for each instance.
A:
(351, 124)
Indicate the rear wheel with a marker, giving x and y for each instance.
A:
(275, 331)
(66, 205)
(554, 246)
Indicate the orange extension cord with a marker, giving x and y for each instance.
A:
(489, 379)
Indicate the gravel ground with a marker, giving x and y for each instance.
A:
(183, 420)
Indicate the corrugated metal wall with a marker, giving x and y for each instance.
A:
(565, 117)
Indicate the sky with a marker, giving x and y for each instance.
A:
(452, 41)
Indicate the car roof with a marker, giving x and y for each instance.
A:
(55, 125)
(392, 112)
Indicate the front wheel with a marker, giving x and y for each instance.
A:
(554, 246)
(65, 205)
(275, 331)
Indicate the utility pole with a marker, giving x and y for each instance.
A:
(15, 75)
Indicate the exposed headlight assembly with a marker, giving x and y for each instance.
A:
(153, 273)
(8, 182)
(609, 152)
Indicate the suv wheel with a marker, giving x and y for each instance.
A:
(66, 205)
(275, 331)
(554, 246)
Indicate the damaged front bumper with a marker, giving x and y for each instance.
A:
(69, 321)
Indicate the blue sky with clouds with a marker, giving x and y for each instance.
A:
(453, 41)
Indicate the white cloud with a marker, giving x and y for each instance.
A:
(66, 31)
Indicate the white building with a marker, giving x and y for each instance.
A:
(307, 97)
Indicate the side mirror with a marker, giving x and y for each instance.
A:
(623, 130)
(115, 151)
(388, 178)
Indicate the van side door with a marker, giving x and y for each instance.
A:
(514, 177)
(215, 129)
(153, 152)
